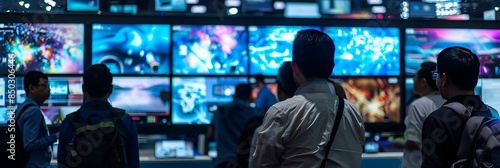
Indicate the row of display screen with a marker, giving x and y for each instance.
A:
(194, 99)
(236, 50)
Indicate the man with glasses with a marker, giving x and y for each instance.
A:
(456, 75)
(31, 121)
(425, 86)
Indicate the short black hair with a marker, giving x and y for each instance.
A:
(285, 79)
(461, 66)
(32, 78)
(97, 80)
(425, 72)
(259, 78)
(313, 51)
(243, 91)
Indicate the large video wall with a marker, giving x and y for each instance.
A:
(178, 74)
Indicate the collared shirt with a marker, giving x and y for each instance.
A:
(127, 129)
(36, 138)
(442, 132)
(418, 110)
(296, 131)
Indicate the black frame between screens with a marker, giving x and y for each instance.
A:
(89, 19)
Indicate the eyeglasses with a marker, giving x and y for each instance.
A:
(434, 74)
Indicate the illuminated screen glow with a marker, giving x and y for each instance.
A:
(49, 48)
(378, 99)
(209, 49)
(365, 51)
(270, 46)
(195, 100)
(132, 49)
(424, 44)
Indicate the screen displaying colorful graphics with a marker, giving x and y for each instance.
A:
(209, 49)
(424, 44)
(378, 99)
(490, 93)
(142, 94)
(195, 99)
(50, 48)
(132, 49)
(270, 46)
(3, 93)
(365, 51)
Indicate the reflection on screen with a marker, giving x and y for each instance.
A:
(141, 94)
(215, 49)
(132, 49)
(270, 46)
(490, 92)
(365, 50)
(423, 44)
(50, 48)
(195, 100)
(378, 99)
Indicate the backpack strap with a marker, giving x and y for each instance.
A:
(338, 117)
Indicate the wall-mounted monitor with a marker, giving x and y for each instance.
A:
(365, 51)
(209, 50)
(270, 46)
(143, 95)
(490, 93)
(195, 99)
(50, 48)
(82, 5)
(170, 5)
(378, 99)
(424, 44)
(131, 48)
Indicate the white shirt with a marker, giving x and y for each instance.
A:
(418, 111)
(296, 131)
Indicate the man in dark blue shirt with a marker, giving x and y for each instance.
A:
(265, 98)
(97, 86)
(36, 138)
(228, 124)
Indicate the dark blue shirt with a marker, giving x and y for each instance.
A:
(127, 129)
(265, 99)
(229, 122)
(36, 138)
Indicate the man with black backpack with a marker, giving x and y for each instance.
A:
(98, 135)
(456, 132)
(33, 142)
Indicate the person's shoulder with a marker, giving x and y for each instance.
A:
(440, 113)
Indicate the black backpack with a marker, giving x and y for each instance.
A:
(97, 145)
(480, 142)
(15, 154)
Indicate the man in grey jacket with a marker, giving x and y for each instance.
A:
(296, 131)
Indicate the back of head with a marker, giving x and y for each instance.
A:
(460, 65)
(425, 72)
(285, 79)
(259, 78)
(97, 81)
(243, 91)
(313, 52)
(32, 78)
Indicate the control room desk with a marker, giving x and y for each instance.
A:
(375, 160)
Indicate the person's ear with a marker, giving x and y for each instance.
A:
(423, 82)
(444, 80)
(295, 68)
(111, 89)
